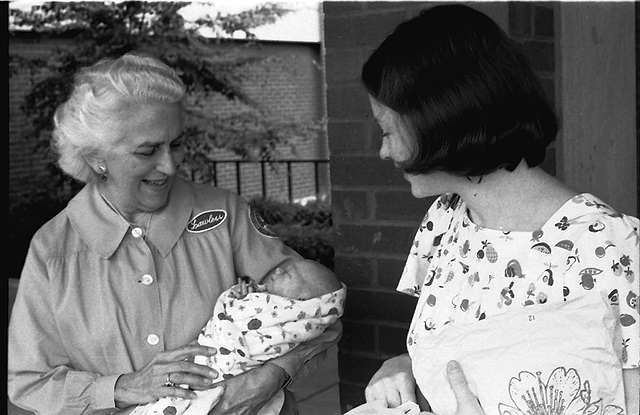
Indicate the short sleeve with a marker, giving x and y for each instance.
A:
(256, 248)
(428, 238)
(609, 262)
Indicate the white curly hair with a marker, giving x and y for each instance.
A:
(103, 95)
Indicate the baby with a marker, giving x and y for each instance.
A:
(253, 323)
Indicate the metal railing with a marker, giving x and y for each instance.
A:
(264, 165)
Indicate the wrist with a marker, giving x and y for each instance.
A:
(119, 392)
(284, 378)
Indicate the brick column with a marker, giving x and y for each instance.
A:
(375, 215)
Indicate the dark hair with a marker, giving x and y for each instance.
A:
(463, 91)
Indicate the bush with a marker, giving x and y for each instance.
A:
(316, 215)
(305, 229)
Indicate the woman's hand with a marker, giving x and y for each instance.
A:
(467, 403)
(393, 382)
(176, 366)
(247, 393)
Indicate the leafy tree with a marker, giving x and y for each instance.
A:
(107, 29)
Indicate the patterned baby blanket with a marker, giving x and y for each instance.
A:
(248, 331)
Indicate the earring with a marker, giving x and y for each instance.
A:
(103, 173)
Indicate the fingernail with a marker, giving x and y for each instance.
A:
(207, 381)
(213, 350)
(453, 366)
(213, 374)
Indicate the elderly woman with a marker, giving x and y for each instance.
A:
(528, 284)
(116, 288)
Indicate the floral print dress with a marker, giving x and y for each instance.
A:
(464, 273)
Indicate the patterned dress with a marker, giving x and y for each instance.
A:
(464, 273)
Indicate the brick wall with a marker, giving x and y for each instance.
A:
(532, 26)
(375, 215)
(291, 82)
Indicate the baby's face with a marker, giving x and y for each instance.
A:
(287, 279)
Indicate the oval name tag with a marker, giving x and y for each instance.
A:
(206, 220)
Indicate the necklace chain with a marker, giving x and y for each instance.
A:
(146, 230)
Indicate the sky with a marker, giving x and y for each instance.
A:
(301, 25)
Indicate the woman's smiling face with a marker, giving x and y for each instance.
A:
(142, 166)
(399, 147)
(396, 144)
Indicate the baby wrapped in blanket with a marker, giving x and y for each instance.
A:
(254, 323)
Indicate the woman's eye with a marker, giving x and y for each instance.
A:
(147, 151)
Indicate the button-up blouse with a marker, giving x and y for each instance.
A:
(98, 298)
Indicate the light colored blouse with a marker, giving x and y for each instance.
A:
(464, 273)
(98, 298)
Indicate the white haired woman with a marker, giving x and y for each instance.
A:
(116, 288)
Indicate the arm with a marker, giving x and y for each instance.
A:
(40, 375)
(46, 375)
(305, 358)
(246, 393)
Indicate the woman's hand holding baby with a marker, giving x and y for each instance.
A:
(247, 393)
(165, 375)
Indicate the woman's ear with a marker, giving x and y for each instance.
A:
(96, 163)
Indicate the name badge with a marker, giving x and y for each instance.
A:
(206, 221)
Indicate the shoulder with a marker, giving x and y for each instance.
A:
(602, 243)
(209, 200)
(587, 218)
(444, 207)
(54, 247)
(227, 207)
(444, 211)
(56, 237)
(207, 195)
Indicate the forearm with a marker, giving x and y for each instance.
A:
(307, 356)
(41, 377)
(62, 391)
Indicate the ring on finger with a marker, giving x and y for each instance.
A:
(168, 381)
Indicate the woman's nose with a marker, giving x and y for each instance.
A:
(169, 161)
(384, 150)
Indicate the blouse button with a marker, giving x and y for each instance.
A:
(146, 279)
(136, 232)
(153, 339)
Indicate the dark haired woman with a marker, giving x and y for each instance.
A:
(465, 119)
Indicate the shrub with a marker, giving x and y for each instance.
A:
(305, 229)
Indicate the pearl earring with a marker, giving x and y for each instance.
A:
(103, 173)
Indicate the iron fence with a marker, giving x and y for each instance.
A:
(319, 181)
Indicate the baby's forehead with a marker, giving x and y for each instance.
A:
(311, 270)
